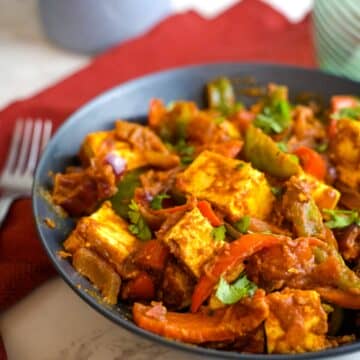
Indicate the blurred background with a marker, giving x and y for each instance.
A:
(42, 41)
(33, 60)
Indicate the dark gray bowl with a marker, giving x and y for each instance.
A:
(130, 101)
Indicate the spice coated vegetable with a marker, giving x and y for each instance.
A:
(228, 226)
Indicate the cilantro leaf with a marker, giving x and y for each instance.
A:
(243, 224)
(239, 166)
(156, 202)
(348, 113)
(294, 158)
(231, 293)
(341, 218)
(282, 146)
(277, 190)
(219, 120)
(274, 118)
(185, 151)
(322, 147)
(218, 233)
(138, 225)
(126, 188)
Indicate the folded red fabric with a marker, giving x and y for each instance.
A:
(250, 31)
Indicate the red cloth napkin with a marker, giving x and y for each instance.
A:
(249, 31)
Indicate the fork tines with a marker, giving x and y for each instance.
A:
(29, 140)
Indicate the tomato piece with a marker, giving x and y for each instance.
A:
(207, 211)
(152, 256)
(233, 255)
(156, 111)
(311, 162)
(243, 119)
(332, 128)
(142, 287)
(339, 102)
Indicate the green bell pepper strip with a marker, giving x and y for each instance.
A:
(265, 155)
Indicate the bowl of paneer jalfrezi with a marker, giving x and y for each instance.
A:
(232, 226)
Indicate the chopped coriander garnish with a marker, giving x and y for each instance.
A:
(126, 188)
(294, 158)
(243, 224)
(138, 226)
(341, 218)
(156, 202)
(282, 146)
(218, 233)
(219, 120)
(322, 147)
(231, 293)
(348, 113)
(276, 190)
(239, 166)
(275, 118)
(185, 151)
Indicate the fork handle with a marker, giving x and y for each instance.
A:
(5, 203)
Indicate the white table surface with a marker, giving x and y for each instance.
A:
(53, 322)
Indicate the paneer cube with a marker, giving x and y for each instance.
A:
(104, 232)
(325, 196)
(296, 323)
(233, 186)
(101, 274)
(191, 241)
(345, 152)
(99, 144)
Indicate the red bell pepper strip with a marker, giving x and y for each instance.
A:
(233, 255)
(207, 211)
(311, 162)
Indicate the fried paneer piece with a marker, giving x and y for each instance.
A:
(345, 152)
(325, 196)
(136, 144)
(296, 322)
(99, 272)
(106, 233)
(232, 186)
(79, 190)
(191, 241)
(99, 144)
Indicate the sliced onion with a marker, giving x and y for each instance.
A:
(117, 162)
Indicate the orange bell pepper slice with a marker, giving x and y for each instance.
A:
(224, 324)
(340, 297)
(233, 255)
(311, 162)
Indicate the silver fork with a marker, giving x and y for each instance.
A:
(28, 141)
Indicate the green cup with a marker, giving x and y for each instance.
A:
(336, 27)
